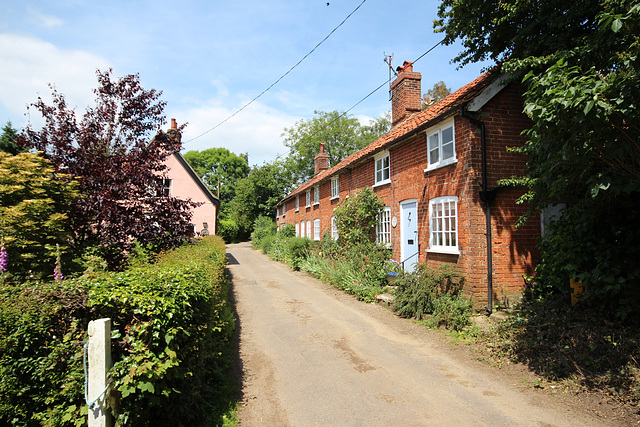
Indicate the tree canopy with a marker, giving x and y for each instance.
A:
(579, 62)
(8, 140)
(219, 168)
(108, 150)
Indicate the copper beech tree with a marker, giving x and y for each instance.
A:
(115, 150)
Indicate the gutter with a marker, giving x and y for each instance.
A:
(487, 196)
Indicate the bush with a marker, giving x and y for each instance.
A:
(427, 291)
(451, 311)
(228, 229)
(173, 328)
(262, 227)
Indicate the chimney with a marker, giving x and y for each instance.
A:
(405, 93)
(174, 134)
(321, 160)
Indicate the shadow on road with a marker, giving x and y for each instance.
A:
(232, 261)
(237, 366)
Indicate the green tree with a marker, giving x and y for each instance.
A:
(8, 140)
(341, 134)
(579, 62)
(219, 168)
(35, 204)
(438, 92)
(257, 194)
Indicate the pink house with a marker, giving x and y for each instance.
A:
(182, 182)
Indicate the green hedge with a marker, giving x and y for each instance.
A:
(171, 329)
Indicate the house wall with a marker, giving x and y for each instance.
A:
(183, 187)
(513, 249)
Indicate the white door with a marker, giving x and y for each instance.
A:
(409, 234)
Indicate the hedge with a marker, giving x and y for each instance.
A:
(171, 330)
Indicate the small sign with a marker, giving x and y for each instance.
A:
(394, 222)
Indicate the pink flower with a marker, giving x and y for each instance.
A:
(4, 258)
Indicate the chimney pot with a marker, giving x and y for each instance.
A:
(321, 160)
(405, 93)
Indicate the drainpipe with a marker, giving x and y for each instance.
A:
(487, 196)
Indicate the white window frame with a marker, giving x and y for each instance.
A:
(165, 189)
(434, 135)
(443, 225)
(297, 203)
(308, 233)
(301, 228)
(334, 228)
(383, 227)
(316, 195)
(380, 168)
(316, 229)
(284, 209)
(335, 187)
(297, 229)
(308, 200)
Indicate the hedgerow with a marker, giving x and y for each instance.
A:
(171, 329)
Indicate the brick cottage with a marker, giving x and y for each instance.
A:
(437, 172)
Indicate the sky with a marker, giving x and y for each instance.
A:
(211, 58)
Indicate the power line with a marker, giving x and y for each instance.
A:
(281, 77)
(344, 113)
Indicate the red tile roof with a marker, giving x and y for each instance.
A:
(415, 122)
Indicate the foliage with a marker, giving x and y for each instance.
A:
(42, 326)
(34, 213)
(576, 344)
(220, 169)
(107, 149)
(172, 327)
(359, 270)
(228, 229)
(257, 195)
(500, 30)
(263, 226)
(426, 290)
(582, 91)
(8, 140)
(438, 92)
(341, 134)
(357, 216)
(451, 311)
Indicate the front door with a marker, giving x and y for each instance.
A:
(409, 234)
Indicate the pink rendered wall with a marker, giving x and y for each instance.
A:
(183, 187)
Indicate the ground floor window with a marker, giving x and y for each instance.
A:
(316, 229)
(443, 224)
(334, 228)
(309, 229)
(383, 228)
(297, 229)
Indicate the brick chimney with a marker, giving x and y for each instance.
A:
(321, 160)
(174, 134)
(405, 93)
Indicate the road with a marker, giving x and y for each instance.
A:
(313, 356)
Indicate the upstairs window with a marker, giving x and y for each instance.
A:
(441, 146)
(335, 187)
(297, 203)
(316, 195)
(383, 175)
(308, 198)
(443, 224)
(164, 188)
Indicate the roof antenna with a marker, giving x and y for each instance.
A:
(392, 72)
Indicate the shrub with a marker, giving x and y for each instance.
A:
(228, 229)
(262, 227)
(451, 311)
(418, 291)
(357, 216)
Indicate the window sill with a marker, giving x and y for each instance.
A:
(441, 250)
(381, 183)
(297, 210)
(334, 198)
(441, 165)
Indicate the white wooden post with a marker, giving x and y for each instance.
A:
(99, 350)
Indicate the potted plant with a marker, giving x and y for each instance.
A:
(393, 267)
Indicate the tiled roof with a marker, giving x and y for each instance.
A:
(415, 122)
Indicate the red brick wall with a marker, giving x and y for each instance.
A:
(513, 249)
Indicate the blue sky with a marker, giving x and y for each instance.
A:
(209, 58)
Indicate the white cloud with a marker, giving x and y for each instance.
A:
(255, 130)
(42, 20)
(30, 64)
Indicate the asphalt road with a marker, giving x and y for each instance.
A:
(312, 356)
